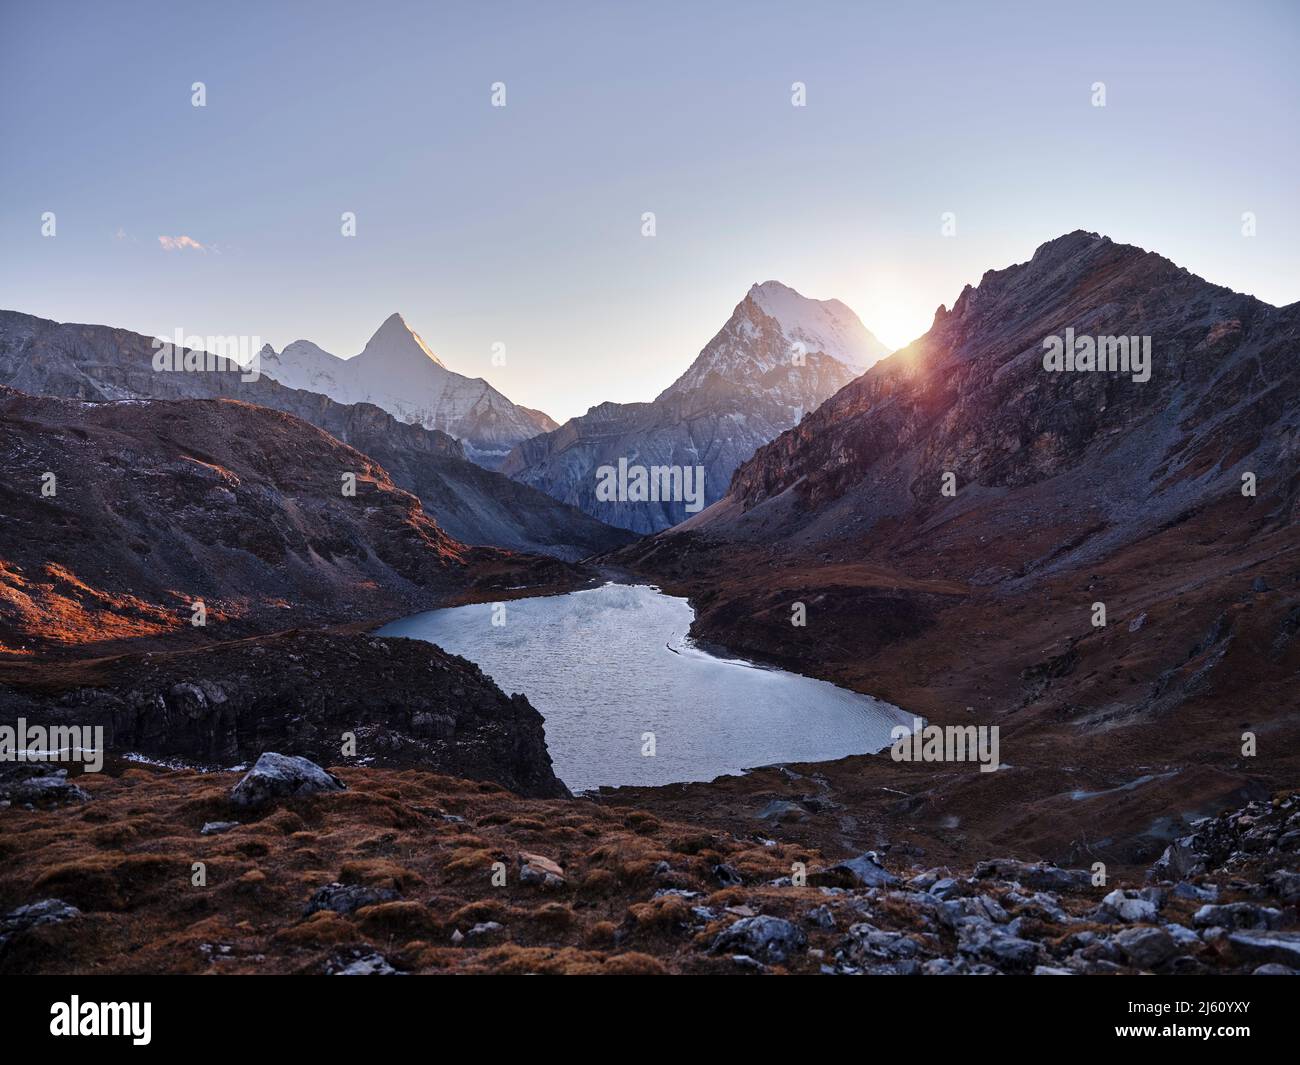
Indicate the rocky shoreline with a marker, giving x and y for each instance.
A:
(783, 869)
(1102, 762)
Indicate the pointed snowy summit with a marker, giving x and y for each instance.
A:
(743, 389)
(396, 342)
(828, 326)
(397, 371)
(759, 337)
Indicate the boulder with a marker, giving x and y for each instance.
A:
(771, 939)
(1128, 907)
(366, 965)
(1237, 915)
(540, 870)
(1040, 876)
(1261, 946)
(42, 788)
(282, 776)
(346, 898)
(1146, 947)
(862, 871)
(35, 915)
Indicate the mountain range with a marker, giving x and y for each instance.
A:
(1103, 566)
(471, 503)
(397, 372)
(154, 505)
(1100, 564)
(777, 358)
(1032, 450)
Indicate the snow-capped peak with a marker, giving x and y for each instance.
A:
(828, 326)
(397, 371)
(765, 330)
(394, 342)
(306, 351)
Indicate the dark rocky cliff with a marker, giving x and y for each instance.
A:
(407, 703)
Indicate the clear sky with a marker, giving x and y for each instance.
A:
(522, 225)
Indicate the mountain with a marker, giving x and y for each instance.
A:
(118, 516)
(1033, 449)
(777, 358)
(1111, 578)
(397, 372)
(472, 504)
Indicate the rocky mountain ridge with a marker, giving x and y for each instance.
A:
(119, 516)
(1111, 580)
(971, 398)
(777, 358)
(100, 363)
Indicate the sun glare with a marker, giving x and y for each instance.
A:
(897, 315)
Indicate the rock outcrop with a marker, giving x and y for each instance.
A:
(402, 703)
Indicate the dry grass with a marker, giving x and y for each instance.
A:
(126, 858)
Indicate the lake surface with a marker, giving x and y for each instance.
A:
(607, 665)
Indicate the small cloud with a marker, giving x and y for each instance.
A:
(180, 243)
